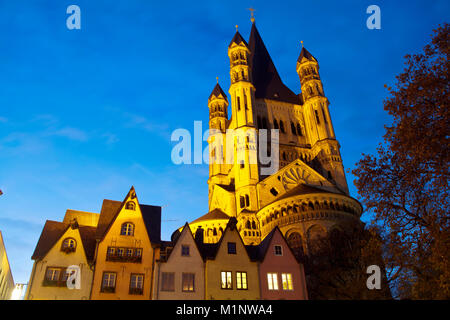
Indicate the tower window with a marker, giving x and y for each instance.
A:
(275, 124)
(324, 117)
(242, 164)
(239, 103)
(253, 225)
(242, 200)
(274, 191)
(247, 200)
(282, 127)
(245, 96)
(299, 130)
(317, 116)
(293, 128)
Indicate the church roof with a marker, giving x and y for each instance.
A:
(215, 214)
(217, 91)
(265, 76)
(237, 39)
(305, 54)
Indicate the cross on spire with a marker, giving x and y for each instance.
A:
(252, 19)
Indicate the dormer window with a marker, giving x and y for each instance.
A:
(130, 205)
(127, 229)
(69, 245)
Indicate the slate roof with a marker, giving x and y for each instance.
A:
(265, 76)
(109, 209)
(217, 91)
(305, 54)
(237, 39)
(54, 230)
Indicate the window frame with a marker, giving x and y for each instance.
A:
(136, 290)
(68, 248)
(183, 250)
(108, 289)
(287, 278)
(164, 288)
(275, 247)
(228, 247)
(127, 231)
(186, 274)
(272, 281)
(230, 273)
(241, 282)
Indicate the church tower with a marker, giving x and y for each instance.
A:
(246, 172)
(218, 117)
(318, 123)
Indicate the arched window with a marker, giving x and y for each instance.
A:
(253, 224)
(264, 123)
(282, 127)
(299, 130)
(127, 229)
(247, 200)
(293, 128)
(69, 245)
(247, 225)
(324, 116)
(239, 103)
(130, 205)
(242, 201)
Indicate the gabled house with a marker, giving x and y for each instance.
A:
(281, 275)
(128, 236)
(62, 245)
(179, 274)
(230, 273)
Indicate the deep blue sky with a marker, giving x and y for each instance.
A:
(85, 114)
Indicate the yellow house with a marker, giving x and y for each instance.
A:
(61, 246)
(6, 279)
(179, 274)
(230, 273)
(128, 237)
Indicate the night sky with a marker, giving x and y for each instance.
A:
(85, 114)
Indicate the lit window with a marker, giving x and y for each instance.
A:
(127, 229)
(278, 251)
(111, 251)
(120, 252)
(241, 280)
(272, 281)
(168, 281)
(286, 279)
(231, 247)
(226, 282)
(188, 282)
(109, 282)
(136, 284)
(129, 252)
(184, 250)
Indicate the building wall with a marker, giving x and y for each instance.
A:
(57, 258)
(6, 279)
(286, 263)
(124, 270)
(231, 262)
(179, 264)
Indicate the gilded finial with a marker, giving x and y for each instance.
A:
(237, 28)
(217, 78)
(302, 43)
(252, 19)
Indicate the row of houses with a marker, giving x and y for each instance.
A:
(119, 254)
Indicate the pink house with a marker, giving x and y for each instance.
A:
(281, 276)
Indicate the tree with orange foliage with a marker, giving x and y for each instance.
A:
(406, 185)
